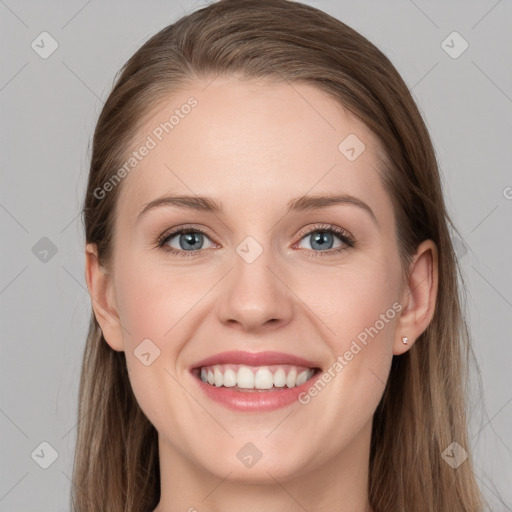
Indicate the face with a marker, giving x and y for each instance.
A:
(312, 286)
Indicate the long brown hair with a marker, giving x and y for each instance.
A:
(423, 407)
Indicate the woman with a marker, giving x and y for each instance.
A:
(276, 321)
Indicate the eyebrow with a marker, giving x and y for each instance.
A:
(299, 204)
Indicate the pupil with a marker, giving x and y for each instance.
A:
(320, 239)
(190, 238)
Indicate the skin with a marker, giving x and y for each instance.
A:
(248, 144)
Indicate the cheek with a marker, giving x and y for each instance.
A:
(149, 308)
(143, 309)
(356, 302)
(368, 310)
(153, 303)
(151, 299)
(360, 307)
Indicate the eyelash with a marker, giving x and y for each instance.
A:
(324, 228)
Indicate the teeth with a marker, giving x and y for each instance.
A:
(217, 375)
(263, 379)
(291, 379)
(279, 378)
(245, 378)
(229, 378)
(248, 377)
(301, 378)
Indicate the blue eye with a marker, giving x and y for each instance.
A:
(189, 240)
(322, 238)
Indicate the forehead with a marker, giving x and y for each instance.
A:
(244, 140)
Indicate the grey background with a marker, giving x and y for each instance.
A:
(48, 111)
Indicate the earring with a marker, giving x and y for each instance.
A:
(405, 340)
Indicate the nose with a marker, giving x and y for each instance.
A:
(254, 296)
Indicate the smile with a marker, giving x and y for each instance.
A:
(255, 378)
(254, 381)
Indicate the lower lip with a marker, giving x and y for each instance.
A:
(255, 401)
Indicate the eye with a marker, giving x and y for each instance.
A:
(184, 242)
(322, 239)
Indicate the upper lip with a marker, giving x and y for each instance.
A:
(254, 359)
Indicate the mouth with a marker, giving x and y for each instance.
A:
(254, 381)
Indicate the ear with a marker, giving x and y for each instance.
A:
(99, 283)
(419, 296)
